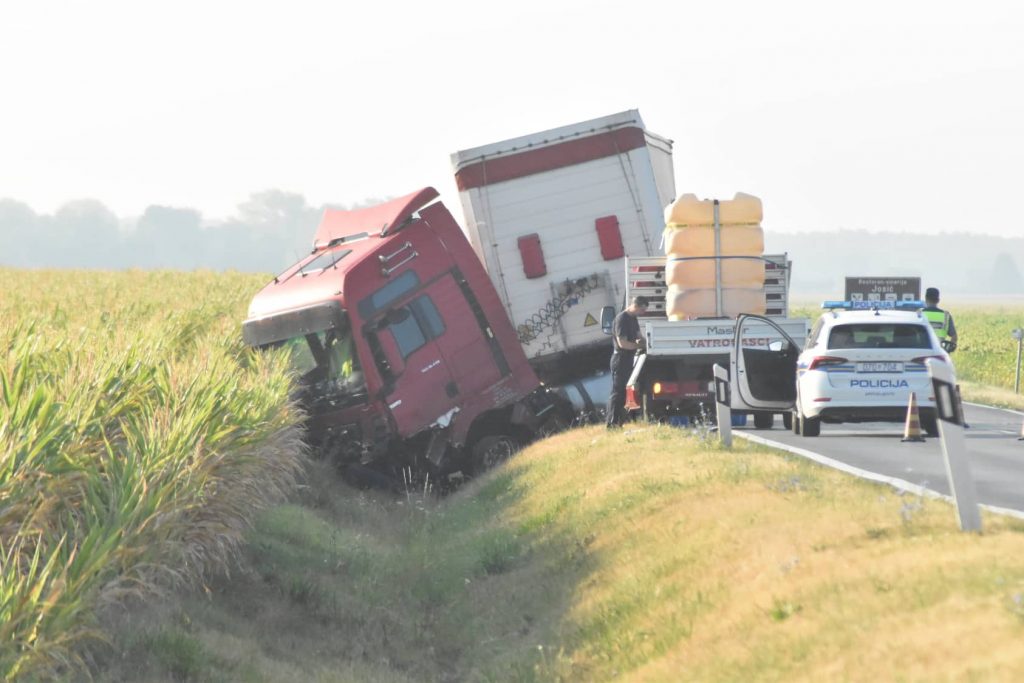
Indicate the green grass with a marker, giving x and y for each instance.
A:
(645, 555)
(140, 442)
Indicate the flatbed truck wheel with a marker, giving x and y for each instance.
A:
(787, 420)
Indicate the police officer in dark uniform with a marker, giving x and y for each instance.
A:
(627, 339)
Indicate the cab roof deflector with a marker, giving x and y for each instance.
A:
(337, 224)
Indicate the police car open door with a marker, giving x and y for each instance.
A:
(762, 365)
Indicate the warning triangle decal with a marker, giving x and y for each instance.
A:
(590, 320)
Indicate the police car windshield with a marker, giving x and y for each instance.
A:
(879, 336)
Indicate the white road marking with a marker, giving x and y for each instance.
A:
(898, 484)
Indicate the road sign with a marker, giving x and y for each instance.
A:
(883, 288)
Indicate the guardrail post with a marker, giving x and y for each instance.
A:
(723, 398)
(954, 448)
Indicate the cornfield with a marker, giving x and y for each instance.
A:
(137, 438)
(987, 353)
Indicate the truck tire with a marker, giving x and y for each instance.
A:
(763, 420)
(647, 410)
(810, 426)
(553, 425)
(787, 421)
(491, 450)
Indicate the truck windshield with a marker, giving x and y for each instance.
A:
(327, 368)
(323, 261)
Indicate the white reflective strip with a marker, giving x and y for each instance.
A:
(898, 484)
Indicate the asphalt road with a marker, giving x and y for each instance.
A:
(995, 455)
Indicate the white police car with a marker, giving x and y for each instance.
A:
(857, 365)
(862, 365)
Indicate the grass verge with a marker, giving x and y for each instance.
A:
(646, 555)
(991, 396)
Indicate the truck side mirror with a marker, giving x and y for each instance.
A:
(393, 317)
(607, 319)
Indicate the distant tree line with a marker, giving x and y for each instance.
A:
(273, 228)
(956, 263)
(267, 232)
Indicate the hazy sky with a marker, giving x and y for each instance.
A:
(875, 115)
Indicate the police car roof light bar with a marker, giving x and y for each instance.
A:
(912, 305)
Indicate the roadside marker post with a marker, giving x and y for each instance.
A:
(722, 399)
(1018, 334)
(954, 448)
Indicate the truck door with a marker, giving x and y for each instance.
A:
(421, 385)
(762, 365)
(473, 357)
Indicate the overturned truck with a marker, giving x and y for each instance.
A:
(404, 353)
(418, 344)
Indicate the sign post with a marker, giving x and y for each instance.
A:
(723, 397)
(954, 449)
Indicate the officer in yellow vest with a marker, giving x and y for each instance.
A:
(940, 320)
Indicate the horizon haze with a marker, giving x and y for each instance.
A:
(272, 229)
(883, 117)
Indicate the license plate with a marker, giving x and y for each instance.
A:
(879, 366)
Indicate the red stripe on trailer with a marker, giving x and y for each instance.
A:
(530, 161)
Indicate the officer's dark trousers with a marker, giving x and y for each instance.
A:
(621, 367)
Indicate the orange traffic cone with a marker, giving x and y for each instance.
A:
(912, 431)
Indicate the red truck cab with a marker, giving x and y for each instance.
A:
(400, 343)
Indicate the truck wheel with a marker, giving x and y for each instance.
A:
(787, 421)
(553, 425)
(492, 450)
(810, 426)
(764, 420)
(646, 410)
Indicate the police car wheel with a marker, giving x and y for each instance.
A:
(787, 421)
(930, 426)
(810, 426)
